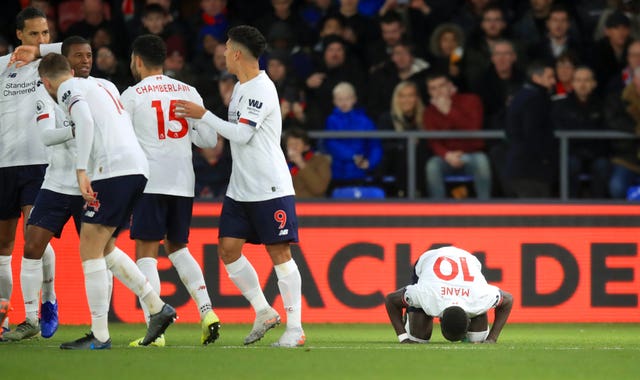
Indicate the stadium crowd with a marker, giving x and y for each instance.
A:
(525, 67)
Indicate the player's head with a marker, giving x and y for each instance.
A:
(149, 51)
(54, 69)
(245, 42)
(454, 323)
(31, 27)
(78, 52)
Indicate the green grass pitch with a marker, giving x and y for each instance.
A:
(559, 351)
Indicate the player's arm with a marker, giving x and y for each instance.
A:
(394, 302)
(50, 135)
(25, 54)
(81, 116)
(238, 133)
(201, 135)
(502, 312)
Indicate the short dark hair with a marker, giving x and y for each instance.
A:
(537, 68)
(73, 40)
(454, 323)
(27, 14)
(436, 74)
(391, 17)
(151, 49)
(250, 38)
(298, 133)
(153, 8)
(53, 65)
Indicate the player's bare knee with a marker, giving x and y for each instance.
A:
(34, 250)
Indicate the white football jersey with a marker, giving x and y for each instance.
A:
(259, 169)
(165, 138)
(61, 172)
(19, 141)
(113, 149)
(451, 276)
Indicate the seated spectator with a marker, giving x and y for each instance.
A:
(109, 67)
(95, 17)
(420, 16)
(282, 39)
(315, 11)
(565, 67)
(155, 20)
(392, 32)
(557, 39)
(175, 65)
(290, 92)
(496, 87)
(610, 52)
(582, 110)
(469, 16)
(337, 66)
(353, 160)
(531, 159)
(450, 111)
(446, 49)
(403, 65)
(623, 114)
(310, 170)
(209, 77)
(624, 77)
(531, 26)
(333, 24)
(407, 110)
(283, 11)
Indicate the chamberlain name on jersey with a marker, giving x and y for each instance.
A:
(165, 138)
(19, 142)
(259, 169)
(450, 276)
(107, 145)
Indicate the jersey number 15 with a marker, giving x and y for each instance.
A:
(172, 116)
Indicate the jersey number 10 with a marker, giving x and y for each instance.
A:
(172, 116)
(455, 269)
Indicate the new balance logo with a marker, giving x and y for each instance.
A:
(283, 232)
(254, 103)
(12, 75)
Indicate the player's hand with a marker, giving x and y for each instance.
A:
(85, 186)
(23, 55)
(185, 108)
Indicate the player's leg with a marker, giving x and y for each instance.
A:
(178, 220)
(236, 229)
(478, 329)
(277, 225)
(7, 239)
(36, 239)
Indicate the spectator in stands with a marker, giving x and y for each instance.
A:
(623, 78)
(469, 16)
(418, 15)
(478, 49)
(403, 65)
(4, 46)
(362, 27)
(531, 167)
(94, 18)
(622, 113)
(283, 12)
(353, 160)
(392, 32)
(446, 48)
(290, 93)
(610, 52)
(175, 64)
(332, 25)
(310, 170)
(334, 68)
(109, 67)
(496, 87)
(211, 19)
(405, 114)
(531, 27)
(582, 110)
(283, 41)
(630, 8)
(557, 39)
(209, 76)
(315, 11)
(451, 111)
(565, 67)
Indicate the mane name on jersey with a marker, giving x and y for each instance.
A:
(453, 291)
(165, 87)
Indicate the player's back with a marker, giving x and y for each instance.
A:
(164, 137)
(19, 144)
(115, 150)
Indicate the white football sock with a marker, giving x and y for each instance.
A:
(290, 285)
(31, 283)
(149, 267)
(128, 273)
(96, 286)
(191, 276)
(6, 282)
(242, 273)
(48, 274)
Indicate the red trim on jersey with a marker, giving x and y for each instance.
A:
(42, 117)
(247, 121)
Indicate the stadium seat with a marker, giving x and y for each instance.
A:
(358, 192)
